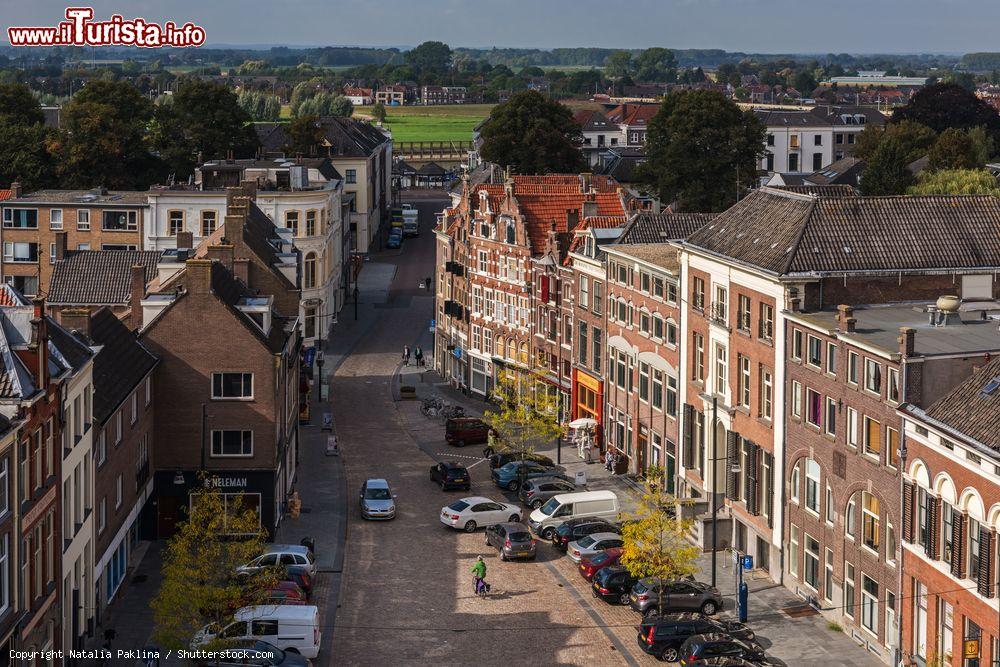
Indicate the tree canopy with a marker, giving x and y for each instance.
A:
(944, 105)
(25, 141)
(956, 182)
(430, 56)
(18, 106)
(525, 415)
(532, 135)
(702, 151)
(304, 135)
(953, 149)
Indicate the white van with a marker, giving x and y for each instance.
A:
(548, 517)
(292, 628)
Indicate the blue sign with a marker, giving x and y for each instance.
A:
(458, 353)
(310, 355)
(433, 323)
(747, 562)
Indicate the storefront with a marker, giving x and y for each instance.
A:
(588, 399)
(255, 488)
(482, 375)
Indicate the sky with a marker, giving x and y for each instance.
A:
(762, 26)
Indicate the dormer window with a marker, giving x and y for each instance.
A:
(589, 247)
(511, 232)
(485, 231)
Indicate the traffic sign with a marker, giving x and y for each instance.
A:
(748, 562)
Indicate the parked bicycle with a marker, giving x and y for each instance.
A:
(432, 407)
(452, 411)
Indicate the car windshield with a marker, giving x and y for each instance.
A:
(377, 494)
(600, 558)
(550, 507)
(456, 472)
(458, 505)
(509, 467)
(520, 537)
(586, 541)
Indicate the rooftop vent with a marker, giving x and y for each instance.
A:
(991, 386)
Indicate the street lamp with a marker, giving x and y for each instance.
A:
(319, 362)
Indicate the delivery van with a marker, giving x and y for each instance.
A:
(548, 517)
(292, 628)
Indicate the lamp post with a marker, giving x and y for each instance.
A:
(319, 363)
(715, 482)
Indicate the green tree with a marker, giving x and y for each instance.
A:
(886, 171)
(656, 64)
(805, 82)
(18, 105)
(526, 415)
(702, 151)
(532, 135)
(430, 57)
(943, 105)
(200, 585)
(618, 65)
(378, 112)
(656, 543)
(304, 135)
(916, 138)
(956, 182)
(954, 149)
(25, 156)
(204, 120)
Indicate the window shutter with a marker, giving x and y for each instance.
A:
(770, 489)
(986, 559)
(908, 512)
(933, 514)
(732, 455)
(753, 491)
(958, 546)
(688, 436)
(545, 288)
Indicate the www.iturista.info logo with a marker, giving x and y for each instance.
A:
(79, 29)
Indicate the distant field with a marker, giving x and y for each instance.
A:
(452, 122)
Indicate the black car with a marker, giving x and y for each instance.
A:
(662, 636)
(678, 595)
(499, 459)
(717, 645)
(451, 475)
(612, 584)
(573, 529)
(726, 661)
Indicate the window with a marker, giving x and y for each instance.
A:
(698, 294)
(721, 370)
(657, 327)
(811, 573)
(829, 505)
(4, 487)
(232, 443)
(743, 313)
(118, 427)
(828, 575)
(831, 358)
(869, 604)
(743, 392)
(892, 447)
(671, 395)
(720, 307)
(873, 376)
(482, 261)
(643, 381)
(584, 295)
(793, 552)
(814, 408)
(852, 427)
(102, 447)
(311, 223)
(55, 218)
(597, 349)
(351, 176)
(765, 324)
(852, 367)
(850, 527)
(873, 437)
(208, 221)
(793, 159)
(796, 344)
(975, 550)
(893, 385)
(25, 253)
(818, 141)
(52, 253)
(849, 590)
(4, 574)
(671, 333)
(869, 521)
(232, 385)
(149, 390)
(135, 407)
(796, 398)
(890, 543)
(102, 515)
(20, 218)
(82, 219)
(770, 139)
(831, 416)
(118, 491)
(812, 486)
(947, 524)
(815, 351)
(83, 246)
(645, 325)
(176, 222)
(598, 300)
(582, 330)
(292, 222)
(793, 484)
(923, 524)
(817, 160)
(309, 271)
(699, 357)
(127, 221)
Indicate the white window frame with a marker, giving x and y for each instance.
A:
(53, 223)
(869, 605)
(793, 483)
(220, 376)
(83, 220)
(813, 479)
(796, 398)
(118, 491)
(102, 515)
(218, 453)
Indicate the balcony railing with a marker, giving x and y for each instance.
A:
(717, 312)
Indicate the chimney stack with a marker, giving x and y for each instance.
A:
(199, 276)
(241, 270)
(222, 252)
(15, 189)
(40, 342)
(185, 240)
(76, 319)
(907, 341)
(60, 246)
(137, 293)
(572, 219)
(845, 320)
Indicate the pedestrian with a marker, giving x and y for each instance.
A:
(406, 355)
(418, 354)
(479, 574)
(609, 460)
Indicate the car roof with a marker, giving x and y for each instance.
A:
(603, 536)
(472, 500)
(511, 526)
(452, 464)
(582, 496)
(302, 612)
(285, 548)
(712, 637)
(376, 483)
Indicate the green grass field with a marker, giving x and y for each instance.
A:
(435, 123)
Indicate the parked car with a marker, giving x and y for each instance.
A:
(592, 544)
(469, 513)
(511, 475)
(288, 627)
(499, 459)
(451, 475)
(717, 644)
(589, 565)
(613, 584)
(298, 576)
(394, 242)
(280, 595)
(574, 529)
(462, 431)
(535, 492)
(726, 661)
(597, 504)
(662, 636)
(377, 500)
(281, 554)
(512, 540)
(677, 596)
(251, 653)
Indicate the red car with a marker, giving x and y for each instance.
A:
(591, 564)
(284, 596)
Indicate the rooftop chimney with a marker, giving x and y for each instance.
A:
(907, 342)
(15, 189)
(199, 276)
(60, 246)
(589, 208)
(223, 253)
(137, 293)
(241, 269)
(185, 240)
(572, 219)
(845, 319)
(40, 342)
(76, 319)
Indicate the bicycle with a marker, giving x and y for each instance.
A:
(432, 407)
(452, 411)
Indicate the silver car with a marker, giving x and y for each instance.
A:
(512, 540)
(588, 545)
(377, 500)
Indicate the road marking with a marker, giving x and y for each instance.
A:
(477, 459)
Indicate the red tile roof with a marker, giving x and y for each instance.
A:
(6, 194)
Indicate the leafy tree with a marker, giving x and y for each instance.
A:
(200, 585)
(886, 172)
(25, 156)
(203, 121)
(526, 415)
(943, 105)
(378, 112)
(966, 80)
(982, 142)
(430, 56)
(805, 82)
(18, 105)
(260, 106)
(618, 65)
(954, 149)
(702, 151)
(916, 138)
(656, 64)
(956, 182)
(103, 140)
(304, 135)
(532, 135)
(656, 543)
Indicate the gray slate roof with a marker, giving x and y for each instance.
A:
(833, 190)
(120, 365)
(787, 234)
(970, 410)
(661, 227)
(98, 277)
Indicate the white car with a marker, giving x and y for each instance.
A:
(588, 545)
(282, 554)
(470, 513)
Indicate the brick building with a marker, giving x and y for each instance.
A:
(951, 518)
(91, 220)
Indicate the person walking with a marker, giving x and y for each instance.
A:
(418, 354)
(406, 355)
(609, 460)
(479, 575)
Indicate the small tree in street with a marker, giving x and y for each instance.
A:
(200, 585)
(378, 112)
(526, 415)
(655, 538)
